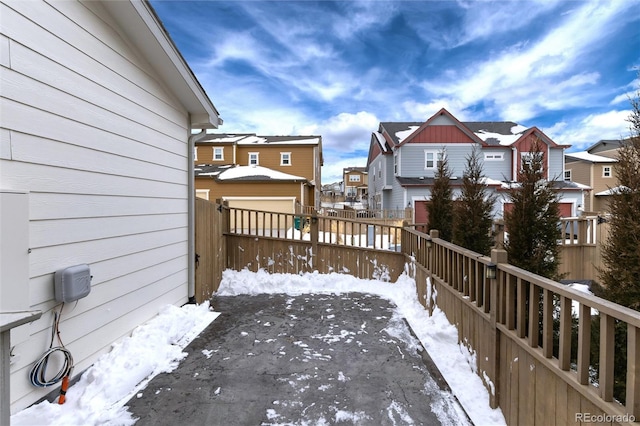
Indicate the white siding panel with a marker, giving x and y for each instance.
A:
(5, 144)
(21, 118)
(49, 34)
(101, 295)
(87, 349)
(56, 206)
(26, 176)
(5, 59)
(91, 131)
(31, 149)
(44, 70)
(48, 259)
(22, 89)
(109, 271)
(45, 233)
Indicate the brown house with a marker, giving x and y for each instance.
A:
(594, 167)
(356, 184)
(274, 173)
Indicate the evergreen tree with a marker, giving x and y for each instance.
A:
(472, 214)
(621, 252)
(532, 223)
(440, 208)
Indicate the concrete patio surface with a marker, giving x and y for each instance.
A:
(301, 360)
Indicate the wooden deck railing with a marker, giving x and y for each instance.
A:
(535, 338)
(547, 353)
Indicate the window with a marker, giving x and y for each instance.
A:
(195, 153)
(432, 159)
(253, 158)
(285, 158)
(567, 175)
(525, 158)
(493, 157)
(606, 171)
(395, 164)
(218, 154)
(354, 178)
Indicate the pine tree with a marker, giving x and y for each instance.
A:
(472, 213)
(621, 252)
(532, 223)
(440, 208)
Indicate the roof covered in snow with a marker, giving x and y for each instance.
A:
(587, 156)
(491, 132)
(252, 139)
(244, 173)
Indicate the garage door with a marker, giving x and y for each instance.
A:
(270, 204)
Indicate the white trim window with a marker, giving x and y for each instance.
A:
(218, 153)
(567, 175)
(494, 156)
(395, 163)
(285, 158)
(354, 178)
(254, 158)
(606, 171)
(432, 159)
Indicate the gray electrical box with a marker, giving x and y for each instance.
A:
(72, 283)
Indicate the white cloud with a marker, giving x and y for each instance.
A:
(529, 77)
(581, 135)
(345, 132)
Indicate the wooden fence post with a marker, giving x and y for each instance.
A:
(497, 256)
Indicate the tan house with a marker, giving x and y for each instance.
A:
(594, 167)
(275, 173)
(356, 183)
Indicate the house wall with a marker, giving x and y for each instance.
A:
(89, 130)
(217, 190)
(556, 164)
(302, 158)
(412, 160)
(496, 169)
(581, 173)
(205, 154)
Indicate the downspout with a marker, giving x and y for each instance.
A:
(191, 221)
(514, 167)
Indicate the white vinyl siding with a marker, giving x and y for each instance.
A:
(89, 130)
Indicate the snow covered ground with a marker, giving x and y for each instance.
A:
(101, 394)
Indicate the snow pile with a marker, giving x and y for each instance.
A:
(99, 396)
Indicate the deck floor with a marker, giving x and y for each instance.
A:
(302, 360)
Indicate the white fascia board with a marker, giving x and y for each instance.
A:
(143, 28)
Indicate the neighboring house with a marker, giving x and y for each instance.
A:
(403, 158)
(332, 193)
(260, 172)
(595, 167)
(356, 184)
(98, 108)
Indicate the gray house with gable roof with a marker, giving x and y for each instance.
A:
(403, 159)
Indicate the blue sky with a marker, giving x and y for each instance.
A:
(337, 69)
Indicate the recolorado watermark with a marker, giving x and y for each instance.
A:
(605, 418)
